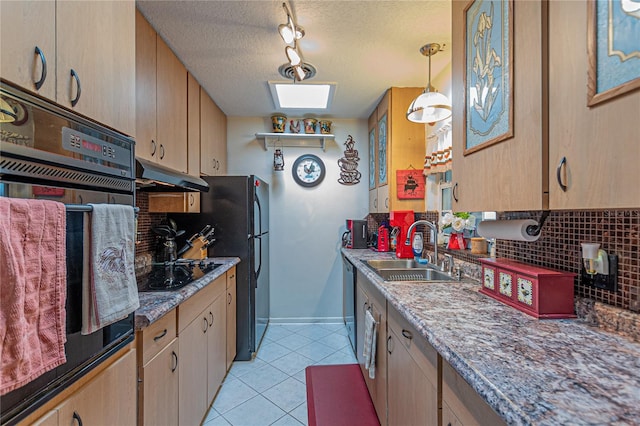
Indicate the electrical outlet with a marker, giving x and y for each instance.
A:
(605, 282)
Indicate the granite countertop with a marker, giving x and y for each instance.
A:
(542, 372)
(155, 304)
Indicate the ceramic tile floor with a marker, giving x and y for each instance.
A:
(270, 389)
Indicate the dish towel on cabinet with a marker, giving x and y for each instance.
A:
(110, 292)
(370, 340)
(32, 299)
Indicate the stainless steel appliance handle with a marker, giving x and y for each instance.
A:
(259, 238)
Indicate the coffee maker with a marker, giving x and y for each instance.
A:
(356, 235)
(402, 219)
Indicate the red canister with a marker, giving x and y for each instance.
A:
(383, 238)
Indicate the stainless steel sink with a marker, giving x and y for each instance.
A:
(413, 274)
(395, 264)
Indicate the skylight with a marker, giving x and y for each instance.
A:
(302, 96)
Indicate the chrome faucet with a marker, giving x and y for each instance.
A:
(434, 228)
(449, 260)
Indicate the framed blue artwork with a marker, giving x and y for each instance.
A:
(613, 46)
(372, 158)
(488, 73)
(382, 151)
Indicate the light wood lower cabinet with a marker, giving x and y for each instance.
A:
(158, 372)
(107, 399)
(231, 316)
(159, 387)
(368, 298)
(461, 405)
(202, 328)
(412, 366)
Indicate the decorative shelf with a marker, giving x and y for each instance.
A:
(273, 140)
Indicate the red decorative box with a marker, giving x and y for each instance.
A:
(539, 292)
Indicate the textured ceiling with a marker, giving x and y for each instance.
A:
(233, 47)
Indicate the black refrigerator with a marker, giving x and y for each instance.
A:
(238, 208)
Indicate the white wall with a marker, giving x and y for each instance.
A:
(306, 224)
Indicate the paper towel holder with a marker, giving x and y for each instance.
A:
(534, 230)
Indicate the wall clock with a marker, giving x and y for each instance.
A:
(308, 170)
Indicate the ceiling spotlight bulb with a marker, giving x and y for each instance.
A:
(290, 31)
(300, 73)
(286, 32)
(430, 106)
(292, 56)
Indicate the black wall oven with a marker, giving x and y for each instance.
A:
(49, 153)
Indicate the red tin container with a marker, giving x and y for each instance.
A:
(539, 292)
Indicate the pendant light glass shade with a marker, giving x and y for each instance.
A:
(430, 106)
(7, 115)
(292, 56)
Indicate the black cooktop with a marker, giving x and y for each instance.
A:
(174, 275)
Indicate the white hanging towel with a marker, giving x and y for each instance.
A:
(370, 340)
(110, 292)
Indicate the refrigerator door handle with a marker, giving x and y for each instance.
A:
(259, 213)
(259, 238)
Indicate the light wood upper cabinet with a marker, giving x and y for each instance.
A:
(171, 108)
(193, 126)
(94, 39)
(146, 145)
(398, 145)
(506, 175)
(97, 41)
(213, 137)
(18, 61)
(600, 143)
(161, 100)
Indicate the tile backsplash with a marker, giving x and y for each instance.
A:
(617, 231)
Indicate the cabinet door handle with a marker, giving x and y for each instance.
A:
(192, 200)
(161, 151)
(407, 334)
(160, 336)
(229, 298)
(206, 325)
(211, 318)
(386, 203)
(563, 163)
(389, 342)
(77, 418)
(454, 193)
(375, 203)
(174, 356)
(232, 276)
(153, 147)
(75, 76)
(43, 73)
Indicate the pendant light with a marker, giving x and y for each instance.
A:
(430, 106)
(7, 115)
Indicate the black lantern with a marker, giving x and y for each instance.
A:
(278, 160)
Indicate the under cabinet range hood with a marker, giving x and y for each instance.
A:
(154, 177)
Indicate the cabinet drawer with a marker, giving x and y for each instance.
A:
(157, 336)
(174, 202)
(193, 307)
(420, 350)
